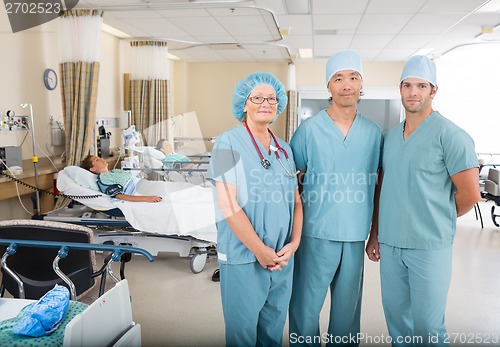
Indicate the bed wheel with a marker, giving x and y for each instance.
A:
(494, 216)
(198, 262)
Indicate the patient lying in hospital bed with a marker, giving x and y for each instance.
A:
(175, 167)
(170, 215)
(183, 221)
(171, 158)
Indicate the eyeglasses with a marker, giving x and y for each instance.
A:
(272, 100)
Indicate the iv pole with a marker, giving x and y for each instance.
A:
(34, 159)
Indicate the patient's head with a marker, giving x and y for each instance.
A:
(164, 146)
(94, 164)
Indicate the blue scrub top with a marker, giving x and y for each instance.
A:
(417, 202)
(266, 196)
(340, 176)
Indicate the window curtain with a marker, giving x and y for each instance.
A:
(149, 90)
(292, 107)
(80, 47)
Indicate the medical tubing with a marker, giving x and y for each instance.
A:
(49, 192)
(17, 187)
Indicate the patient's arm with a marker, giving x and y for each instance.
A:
(138, 198)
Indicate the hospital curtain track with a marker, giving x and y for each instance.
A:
(80, 46)
(149, 89)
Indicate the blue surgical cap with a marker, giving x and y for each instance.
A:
(249, 83)
(420, 66)
(344, 60)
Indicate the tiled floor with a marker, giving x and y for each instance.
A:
(178, 308)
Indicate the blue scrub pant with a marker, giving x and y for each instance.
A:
(255, 303)
(321, 264)
(415, 286)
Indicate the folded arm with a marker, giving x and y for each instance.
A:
(468, 194)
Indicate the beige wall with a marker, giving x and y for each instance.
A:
(207, 88)
(24, 57)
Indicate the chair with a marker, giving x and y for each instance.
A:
(492, 191)
(34, 265)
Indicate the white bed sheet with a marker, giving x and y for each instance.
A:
(186, 209)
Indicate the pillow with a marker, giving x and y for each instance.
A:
(153, 153)
(82, 177)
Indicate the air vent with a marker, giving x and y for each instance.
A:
(325, 32)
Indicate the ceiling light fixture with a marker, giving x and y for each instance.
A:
(115, 32)
(298, 6)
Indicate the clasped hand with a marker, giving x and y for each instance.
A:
(271, 260)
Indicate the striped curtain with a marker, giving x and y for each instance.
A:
(79, 94)
(149, 89)
(292, 107)
(149, 105)
(80, 45)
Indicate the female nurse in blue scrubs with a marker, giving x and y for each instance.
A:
(259, 215)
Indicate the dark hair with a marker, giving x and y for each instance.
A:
(159, 145)
(87, 162)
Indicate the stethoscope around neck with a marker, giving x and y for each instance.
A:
(276, 149)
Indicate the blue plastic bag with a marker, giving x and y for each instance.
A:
(44, 316)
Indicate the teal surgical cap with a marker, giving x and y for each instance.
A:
(420, 66)
(344, 60)
(249, 83)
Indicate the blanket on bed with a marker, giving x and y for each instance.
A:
(186, 209)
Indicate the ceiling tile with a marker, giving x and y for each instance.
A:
(338, 6)
(370, 41)
(432, 24)
(452, 6)
(394, 6)
(382, 24)
(336, 22)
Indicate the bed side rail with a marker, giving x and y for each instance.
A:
(64, 248)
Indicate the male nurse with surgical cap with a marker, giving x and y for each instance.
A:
(337, 152)
(259, 215)
(430, 177)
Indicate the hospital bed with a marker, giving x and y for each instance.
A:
(193, 172)
(492, 191)
(167, 226)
